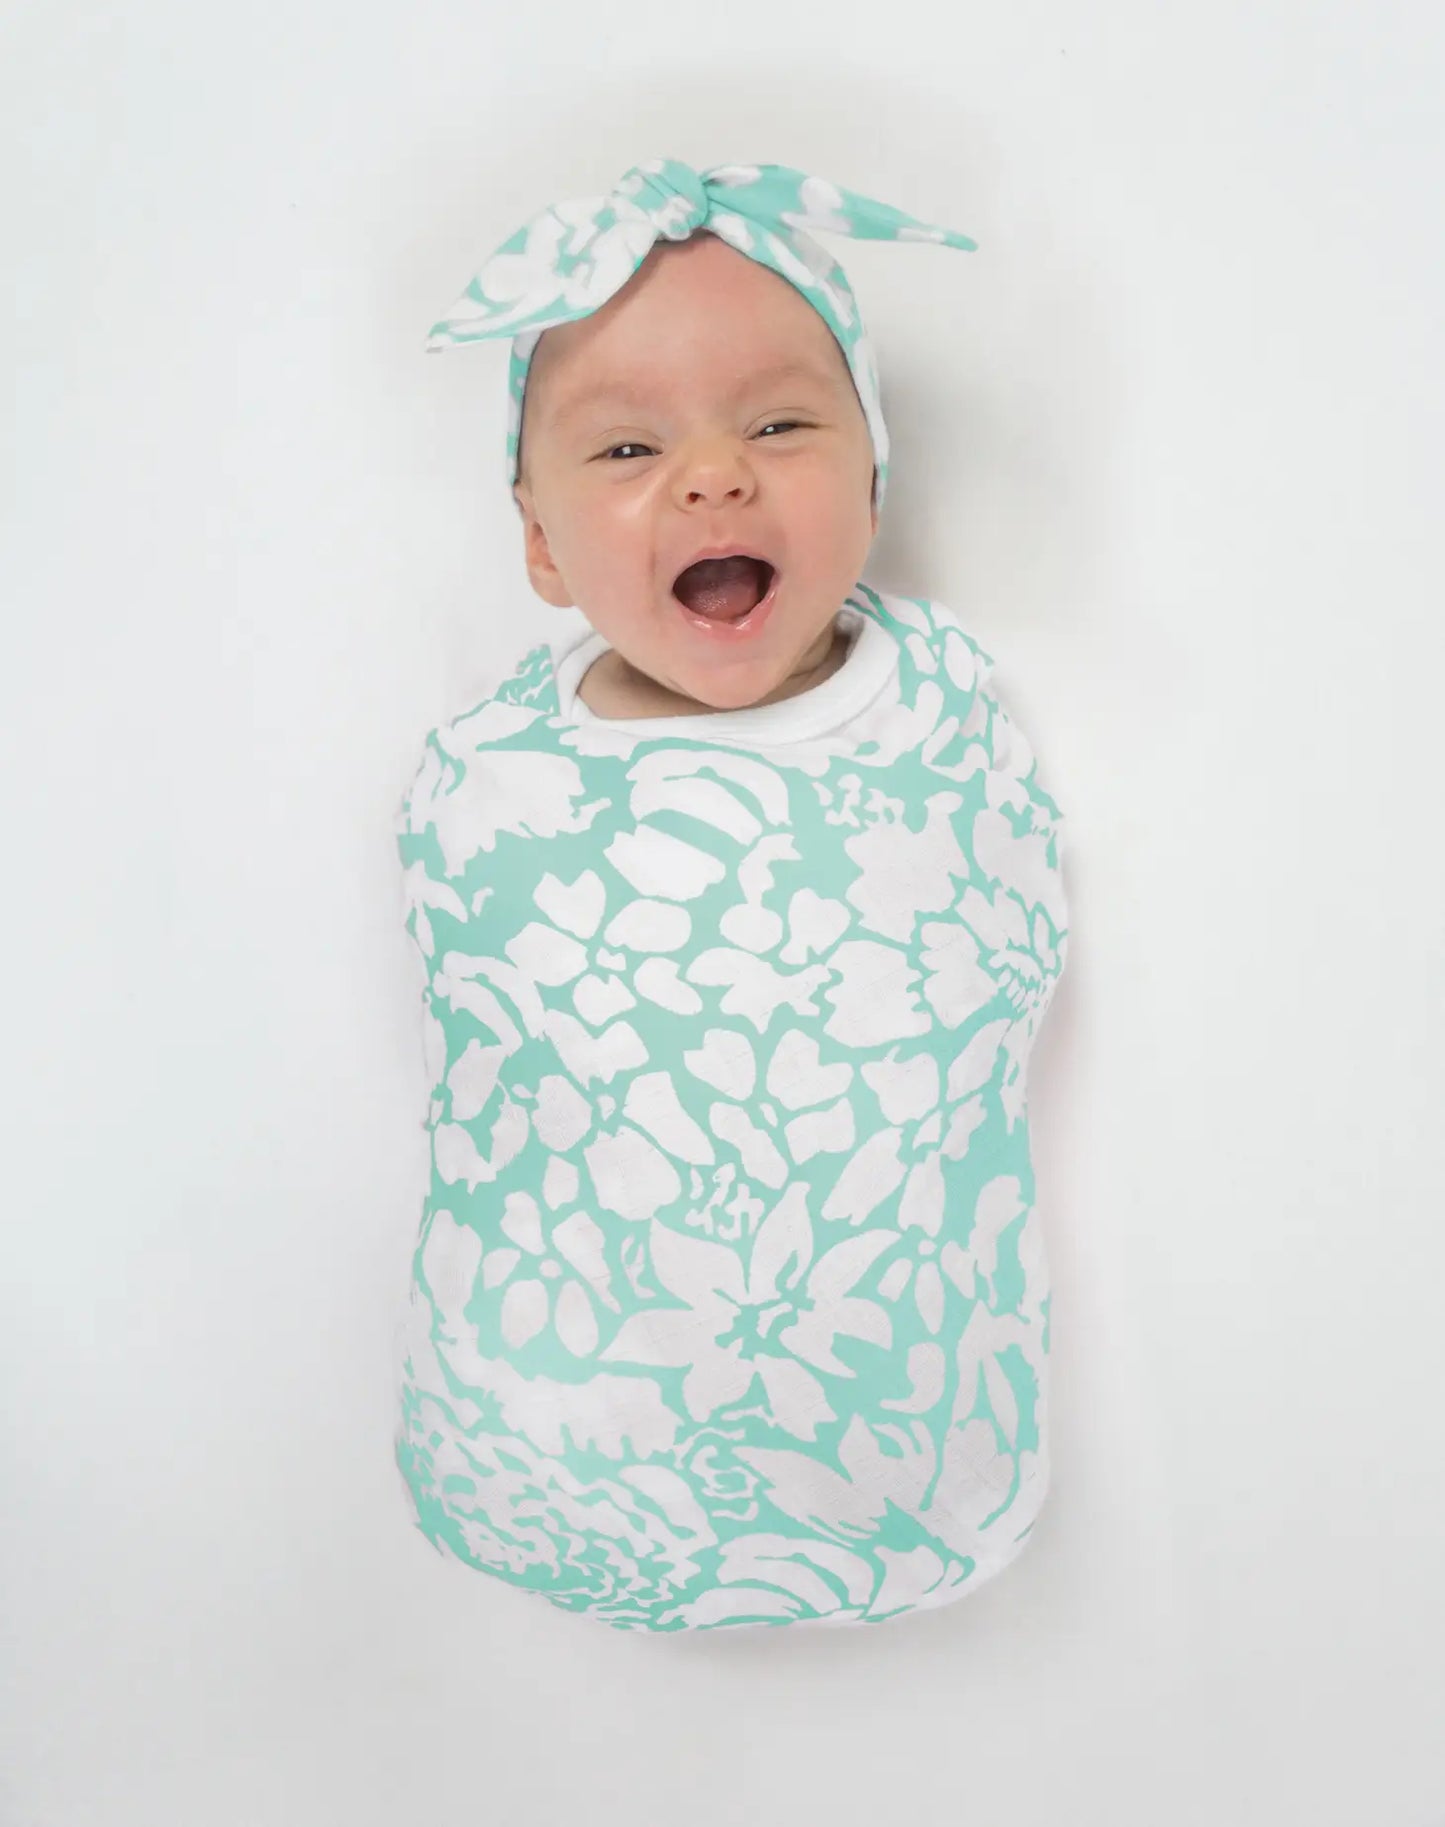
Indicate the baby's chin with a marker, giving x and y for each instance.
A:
(667, 664)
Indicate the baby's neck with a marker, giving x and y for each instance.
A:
(610, 687)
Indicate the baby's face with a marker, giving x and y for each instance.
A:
(706, 404)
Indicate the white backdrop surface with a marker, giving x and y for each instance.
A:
(1170, 442)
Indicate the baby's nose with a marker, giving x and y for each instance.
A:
(715, 470)
(710, 490)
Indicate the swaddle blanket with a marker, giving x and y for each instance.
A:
(730, 1303)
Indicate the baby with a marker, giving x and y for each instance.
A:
(706, 408)
(740, 905)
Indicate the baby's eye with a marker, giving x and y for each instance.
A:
(772, 424)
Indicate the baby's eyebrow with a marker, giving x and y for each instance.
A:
(629, 393)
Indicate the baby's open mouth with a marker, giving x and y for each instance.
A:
(724, 589)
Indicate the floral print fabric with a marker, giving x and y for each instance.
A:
(730, 1302)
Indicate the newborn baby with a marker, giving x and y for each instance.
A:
(740, 905)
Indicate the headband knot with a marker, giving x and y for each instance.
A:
(669, 193)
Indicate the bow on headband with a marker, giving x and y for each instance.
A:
(572, 257)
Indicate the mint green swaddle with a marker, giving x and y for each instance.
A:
(730, 1302)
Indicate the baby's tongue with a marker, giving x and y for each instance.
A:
(723, 589)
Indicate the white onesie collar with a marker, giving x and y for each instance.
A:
(871, 660)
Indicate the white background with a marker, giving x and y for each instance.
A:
(1170, 442)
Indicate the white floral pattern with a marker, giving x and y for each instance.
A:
(730, 1303)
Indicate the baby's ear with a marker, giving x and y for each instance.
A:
(542, 570)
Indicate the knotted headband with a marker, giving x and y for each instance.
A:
(572, 257)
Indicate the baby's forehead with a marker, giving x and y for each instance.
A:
(582, 390)
(701, 281)
(577, 372)
(766, 358)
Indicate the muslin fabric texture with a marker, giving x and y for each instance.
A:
(730, 1301)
